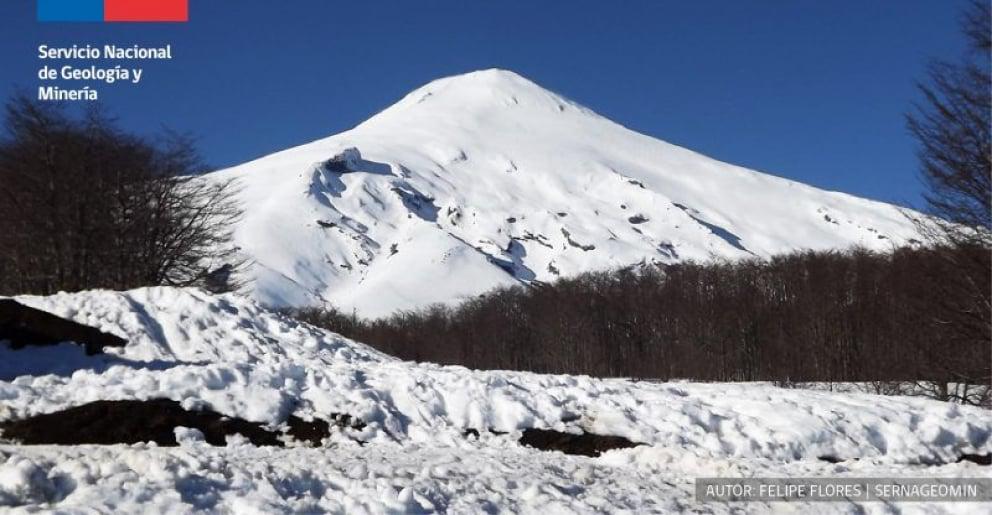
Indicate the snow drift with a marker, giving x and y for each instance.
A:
(487, 179)
(227, 354)
(230, 355)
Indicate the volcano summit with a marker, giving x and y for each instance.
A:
(487, 179)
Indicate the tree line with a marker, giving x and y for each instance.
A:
(855, 316)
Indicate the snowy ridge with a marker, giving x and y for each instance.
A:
(227, 354)
(487, 179)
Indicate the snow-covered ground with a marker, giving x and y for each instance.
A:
(227, 354)
(491, 476)
(487, 179)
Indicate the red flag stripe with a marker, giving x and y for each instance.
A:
(146, 10)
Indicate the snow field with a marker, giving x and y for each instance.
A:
(228, 354)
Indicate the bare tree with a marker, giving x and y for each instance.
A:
(952, 127)
(83, 205)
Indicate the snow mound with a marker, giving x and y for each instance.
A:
(487, 179)
(228, 354)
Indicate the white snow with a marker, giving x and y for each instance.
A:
(485, 477)
(228, 354)
(487, 179)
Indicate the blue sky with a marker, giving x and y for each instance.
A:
(810, 90)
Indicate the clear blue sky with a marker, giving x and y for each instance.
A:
(806, 89)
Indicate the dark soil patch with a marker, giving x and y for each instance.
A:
(474, 433)
(585, 444)
(23, 326)
(316, 430)
(313, 431)
(979, 459)
(130, 422)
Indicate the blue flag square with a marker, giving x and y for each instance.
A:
(70, 10)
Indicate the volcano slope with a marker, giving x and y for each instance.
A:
(487, 179)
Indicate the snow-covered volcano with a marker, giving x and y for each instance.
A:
(487, 179)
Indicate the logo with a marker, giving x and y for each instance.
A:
(113, 10)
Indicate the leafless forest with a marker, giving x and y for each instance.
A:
(813, 316)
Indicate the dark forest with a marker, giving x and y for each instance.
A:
(857, 316)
